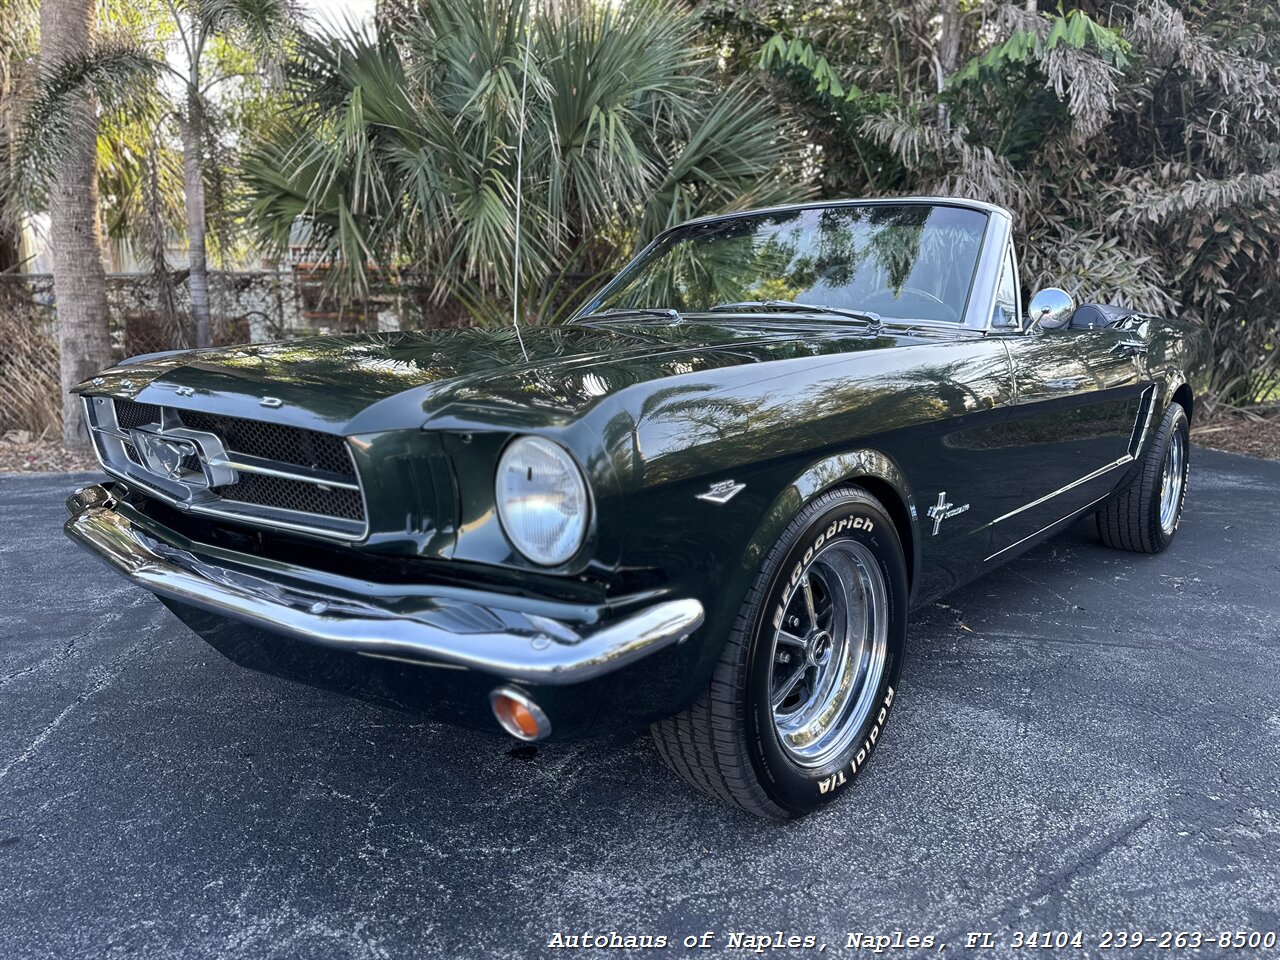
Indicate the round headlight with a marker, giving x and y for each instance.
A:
(542, 500)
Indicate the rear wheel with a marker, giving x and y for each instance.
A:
(805, 683)
(1143, 515)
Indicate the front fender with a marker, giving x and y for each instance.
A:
(722, 588)
(822, 475)
(872, 469)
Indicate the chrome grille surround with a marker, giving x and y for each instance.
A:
(248, 471)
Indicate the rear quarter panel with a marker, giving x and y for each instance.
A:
(1179, 352)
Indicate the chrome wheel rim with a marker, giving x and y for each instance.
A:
(829, 653)
(1171, 482)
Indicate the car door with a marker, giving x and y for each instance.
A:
(953, 457)
(1081, 395)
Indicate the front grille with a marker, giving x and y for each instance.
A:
(270, 441)
(322, 485)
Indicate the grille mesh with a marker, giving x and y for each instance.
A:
(273, 441)
(130, 414)
(293, 495)
(284, 445)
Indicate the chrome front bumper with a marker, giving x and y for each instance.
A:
(527, 641)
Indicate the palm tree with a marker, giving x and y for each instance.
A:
(66, 32)
(157, 76)
(258, 25)
(19, 30)
(400, 147)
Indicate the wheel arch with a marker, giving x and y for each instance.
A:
(896, 503)
(1183, 395)
(869, 469)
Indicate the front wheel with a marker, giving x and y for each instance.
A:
(806, 681)
(1143, 515)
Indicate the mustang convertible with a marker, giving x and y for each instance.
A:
(707, 504)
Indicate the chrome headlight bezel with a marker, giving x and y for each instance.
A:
(574, 495)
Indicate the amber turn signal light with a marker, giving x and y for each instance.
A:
(519, 715)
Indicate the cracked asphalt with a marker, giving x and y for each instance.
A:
(1086, 740)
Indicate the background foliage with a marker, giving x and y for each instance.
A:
(1136, 142)
(401, 149)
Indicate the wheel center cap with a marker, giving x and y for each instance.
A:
(818, 649)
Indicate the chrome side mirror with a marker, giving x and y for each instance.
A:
(1051, 309)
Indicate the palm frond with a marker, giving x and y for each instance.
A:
(120, 78)
(400, 151)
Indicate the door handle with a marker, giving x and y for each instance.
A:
(1130, 348)
(1065, 383)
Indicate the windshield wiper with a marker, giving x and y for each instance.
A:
(667, 313)
(790, 306)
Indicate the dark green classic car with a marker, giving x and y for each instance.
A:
(705, 504)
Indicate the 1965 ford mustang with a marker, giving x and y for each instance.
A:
(706, 504)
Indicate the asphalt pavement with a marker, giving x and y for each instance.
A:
(1085, 741)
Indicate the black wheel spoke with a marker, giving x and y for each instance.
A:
(824, 606)
(790, 639)
(793, 681)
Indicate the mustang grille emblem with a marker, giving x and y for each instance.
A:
(194, 459)
(942, 510)
(722, 492)
(163, 455)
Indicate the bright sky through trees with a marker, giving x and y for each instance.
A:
(333, 15)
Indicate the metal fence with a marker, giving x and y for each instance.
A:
(246, 306)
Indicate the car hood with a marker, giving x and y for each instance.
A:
(366, 382)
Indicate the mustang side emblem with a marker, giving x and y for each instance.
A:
(722, 492)
(943, 510)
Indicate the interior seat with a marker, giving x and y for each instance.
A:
(1090, 316)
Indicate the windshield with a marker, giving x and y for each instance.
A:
(906, 261)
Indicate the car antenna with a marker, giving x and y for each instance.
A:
(515, 280)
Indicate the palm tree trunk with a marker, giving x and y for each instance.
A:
(84, 345)
(193, 188)
(948, 51)
(10, 258)
(949, 48)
